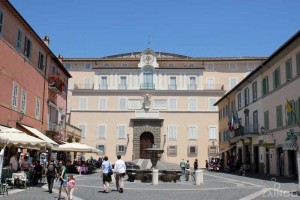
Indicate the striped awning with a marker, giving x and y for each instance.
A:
(290, 145)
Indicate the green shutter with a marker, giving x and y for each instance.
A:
(279, 116)
(266, 117)
(298, 63)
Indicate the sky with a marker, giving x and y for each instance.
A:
(196, 28)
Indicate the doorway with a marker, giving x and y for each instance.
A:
(267, 161)
(292, 159)
(280, 161)
(256, 159)
(146, 141)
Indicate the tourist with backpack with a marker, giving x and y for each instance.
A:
(51, 174)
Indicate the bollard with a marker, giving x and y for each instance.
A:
(198, 177)
(155, 176)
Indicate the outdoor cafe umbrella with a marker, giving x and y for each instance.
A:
(77, 147)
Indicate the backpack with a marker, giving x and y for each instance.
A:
(51, 169)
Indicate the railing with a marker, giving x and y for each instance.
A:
(147, 86)
(213, 87)
(172, 87)
(150, 114)
(245, 130)
(122, 87)
(192, 87)
(53, 127)
(83, 86)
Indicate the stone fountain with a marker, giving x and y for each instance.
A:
(154, 152)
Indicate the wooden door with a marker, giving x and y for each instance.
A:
(146, 141)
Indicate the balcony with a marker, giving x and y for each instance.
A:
(172, 87)
(192, 87)
(53, 127)
(56, 84)
(122, 87)
(147, 86)
(147, 115)
(246, 130)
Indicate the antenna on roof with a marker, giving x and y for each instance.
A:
(149, 41)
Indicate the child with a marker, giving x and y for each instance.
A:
(71, 185)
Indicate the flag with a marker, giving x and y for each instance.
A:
(230, 124)
(236, 122)
(288, 106)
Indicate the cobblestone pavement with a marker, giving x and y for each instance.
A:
(215, 186)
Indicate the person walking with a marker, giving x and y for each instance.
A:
(71, 185)
(13, 163)
(51, 174)
(187, 170)
(182, 165)
(107, 172)
(119, 170)
(62, 179)
(195, 165)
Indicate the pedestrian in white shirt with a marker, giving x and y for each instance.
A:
(119, 170)
(13, 162)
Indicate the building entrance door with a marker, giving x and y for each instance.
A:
(280, 161)
(292, 163)
(256, 159)
(146, 141)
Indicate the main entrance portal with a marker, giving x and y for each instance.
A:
(146, 141)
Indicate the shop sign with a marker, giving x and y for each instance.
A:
(268, 145)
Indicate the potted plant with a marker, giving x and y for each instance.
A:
(56, 81)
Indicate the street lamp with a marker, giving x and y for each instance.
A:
(262, 130)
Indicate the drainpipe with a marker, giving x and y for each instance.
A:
(44, 91)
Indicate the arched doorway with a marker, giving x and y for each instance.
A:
(146, 141)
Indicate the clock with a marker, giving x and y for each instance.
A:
(148, 58)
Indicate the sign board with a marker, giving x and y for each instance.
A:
(268, 145)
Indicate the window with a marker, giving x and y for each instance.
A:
(254, 91)
(23, 101)
(250, 67)
(41, 63)
(210, 67)
(232, 82)
(121, 148)
(211, 106)
(101, 132)
(192, 132)
(122, 84)
(265, 86)
(160, 104)
(276, 78)
(239, 101)
(298, 63)
(68, 66)
(121, 132)
(172, 132)
(232, 67)
(86, 83)
(83, 103)
(255, 121)
(172, 85)
(103, 83)
(106, 64)
(266, 120)
(15, 95)
(173, 104)
(122, 104)
(87, 66)
(193, 104)
(83, 128)
(172, 150)
(288, 70)
(212, 131)
(192, 150)
(148, 79)
(27, 49)
(192, 85)
(191, 65)
(101, 147)
(37, 108)
(279, 116)
(19, 40)
(1, 21)
(102, 104)
(246, 96)
(210, 83)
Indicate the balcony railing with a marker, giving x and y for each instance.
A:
(147, 86)
(192, 87)
(245, 130)
(53, 127)
(122, 87)
(172, 87)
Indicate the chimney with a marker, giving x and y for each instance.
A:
(46, 40)
(60, 58)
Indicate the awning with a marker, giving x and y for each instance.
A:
(77, 147)
(18, 138)
(226, 149)
(290, 145)
(40, 135)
